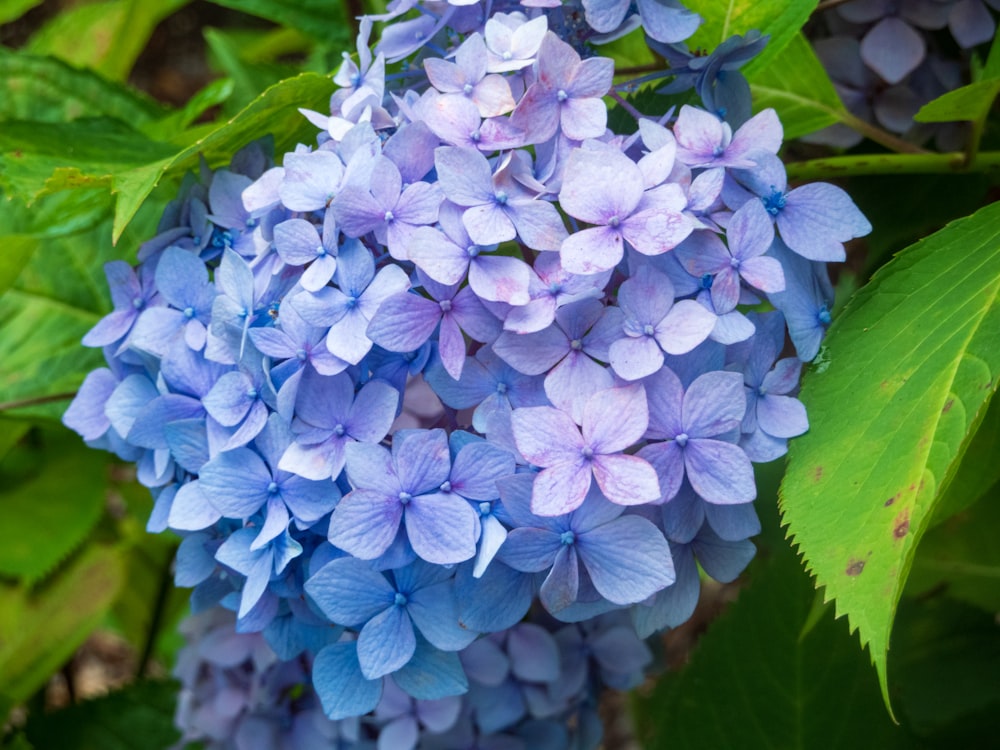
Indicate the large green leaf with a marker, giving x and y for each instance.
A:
(274, 111)
(798, 88)
(910, 366)
(781, 19)
(228, 53)
(43, 88)
(138, 717)
(106, 36)
(42, 517)
(771, 672)
(40, 629)
(321, 19)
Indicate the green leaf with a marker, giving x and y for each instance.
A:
(46, 89)
(321, 19)
(781, 19)
(215, 93)
(971, 102)
(42, 518)
(105, 36)
(40, 629)
(56, 299)
(911, 365)
(961, 556)
(274, 111)
(138, 717)
(797, 86)
(39, 158)
(11, 10)
(228, 53)
(770, 673)
(978, 473)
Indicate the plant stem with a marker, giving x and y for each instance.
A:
(36, 401)
(880, 136)
(865, 164)
(163, 589)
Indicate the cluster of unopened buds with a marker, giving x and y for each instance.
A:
(450, 407)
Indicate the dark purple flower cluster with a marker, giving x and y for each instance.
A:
(886, 61)
(470, 353)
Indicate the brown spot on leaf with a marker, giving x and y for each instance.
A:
(855, 567)
(884, 384)
(892, 499)
(817, 473)
(947, 406)
(913, 487)
(18, 153)
(901, 526)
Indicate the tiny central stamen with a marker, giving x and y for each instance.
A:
(567, 538)
(681, 439)
(472, 251)
(613, 222)
(445, 486)
(251, 393)
(400, 600)
(445, 305)
(648, 329)
(138, 302)
(561, 95)
(301, 354)
(272, 488)
(587, 453)
(501, 387)
(501, 197)
(389, 216)
(467, 88)
(576, 345)
(485, 509)
(188, 312)
(404, 497)
(340, 430)
(320, 251)
(823, 316)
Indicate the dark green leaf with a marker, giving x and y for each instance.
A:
(961, 556)
(797, 87)
(910, 367)
(215, 93)
(106, 36)
(46, 89)
(274, 111)
(768, 674)
(321, 19)
(781, 19)
(40, 629)
(42, 516)
(946, 656)
(138, 717)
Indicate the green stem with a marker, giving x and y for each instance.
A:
(880, 136)
(865, 164)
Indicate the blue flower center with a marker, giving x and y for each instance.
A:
(561, 95)
(576, 345)
(339, 430)
(567, 538)
(404, 498)
(138, 302)
(400, 600)
(681, 439)
(501, 197)
(774, 202)
(272, 488)
(485, 509)
(648, 329)
(587, 453)
(251, 393)
(188, 312)
(388, 217)
(445, 486)
(706, 281)
(301, 354)
(445, 305)
(501, 388)
(614, 221)
(467, 88)
(352, 302)
(320, 251)
(472, 251)
(823, 316)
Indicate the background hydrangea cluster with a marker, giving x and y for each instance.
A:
(450, 406)
(887, 59)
